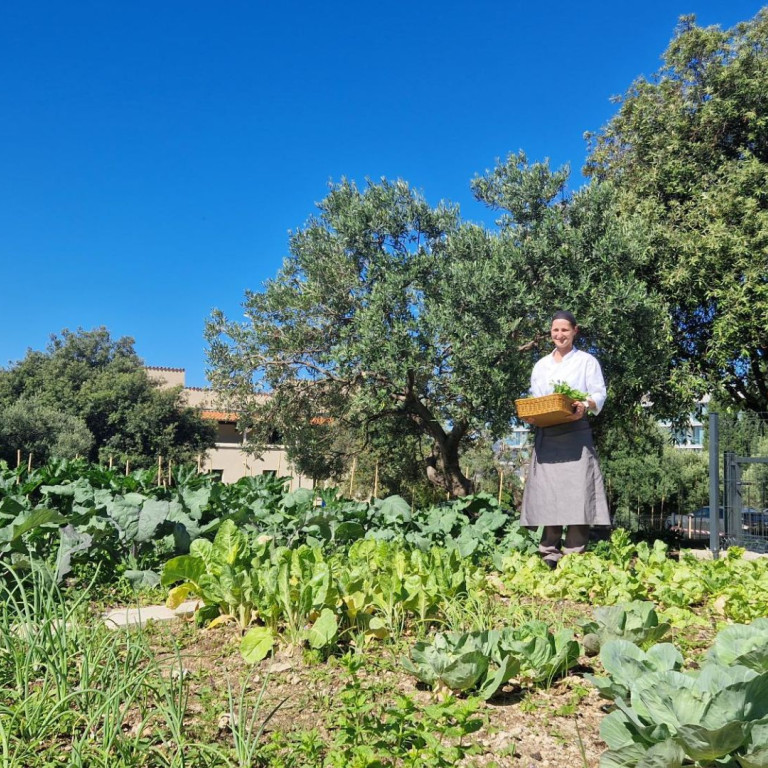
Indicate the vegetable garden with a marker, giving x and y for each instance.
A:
(331, 632)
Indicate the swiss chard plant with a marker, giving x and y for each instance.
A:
(220, 573)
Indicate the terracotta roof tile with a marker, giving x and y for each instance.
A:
(227, 416)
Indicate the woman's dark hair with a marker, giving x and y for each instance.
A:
(565, 315)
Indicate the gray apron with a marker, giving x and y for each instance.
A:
(564, 484)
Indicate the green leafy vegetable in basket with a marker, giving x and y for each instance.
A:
(561, 388)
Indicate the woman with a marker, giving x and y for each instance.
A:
(564, 485)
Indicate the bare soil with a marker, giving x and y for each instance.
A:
(524, 727)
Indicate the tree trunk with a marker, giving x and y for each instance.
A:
(445, 472)
(443, 467)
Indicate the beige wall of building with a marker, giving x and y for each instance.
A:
(228, 457)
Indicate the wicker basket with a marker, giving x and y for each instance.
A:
(545, 411)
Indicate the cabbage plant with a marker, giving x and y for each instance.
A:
(717, 716)
(636, 621)
(744, 644)
(714, 716)
(484, 661)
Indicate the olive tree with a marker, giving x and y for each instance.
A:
(392, 317)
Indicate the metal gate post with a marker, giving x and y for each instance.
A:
(732, 490)
(714, 484)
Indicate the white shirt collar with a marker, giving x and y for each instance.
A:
(565, 357)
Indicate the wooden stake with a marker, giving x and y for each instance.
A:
(159, 470)
(376, 481)
(110, 462)
(170, 474)
(29, 463)
(199, 463)
(501, 483)
(18, 458)
(352, 476)
(127, 467)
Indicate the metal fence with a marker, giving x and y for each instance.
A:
(738, 489)
(742, 440)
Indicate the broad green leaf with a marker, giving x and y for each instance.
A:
(666, 754)
(626, 757)
(323, 632)
(744, 644)
(195, 500)
(463, 672)
(229, 544)
(703, 744)
(377, 628)
(301, 497)
(615, 730)
(182, 568)
(393, 509)
(257, 644)
(151, 515)
(509, 667)
(142, 579)
(349, 531)
(28, 521)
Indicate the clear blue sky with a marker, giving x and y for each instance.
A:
(154, 155)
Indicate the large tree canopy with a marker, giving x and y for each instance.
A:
(688, 153)
(390, 312)
(96, 388)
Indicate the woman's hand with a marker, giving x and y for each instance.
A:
(580, 409)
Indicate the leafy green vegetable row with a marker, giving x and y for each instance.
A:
(622, 571)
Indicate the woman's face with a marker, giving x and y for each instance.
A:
(563, 334)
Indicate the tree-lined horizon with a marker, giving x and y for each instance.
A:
(89, 395)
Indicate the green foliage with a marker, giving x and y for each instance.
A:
(624, 662)
(33, 428)
(745, 645)
(561, 388)
(366, 732)
(688, 154)
(716, 713)
(219, 573)
(90, 395)
(626, 571)
(636, 622)
(646, 478)
(484, 661)
(392, 318)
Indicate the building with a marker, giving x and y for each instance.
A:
(228, 457)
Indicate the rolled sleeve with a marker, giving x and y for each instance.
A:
(595, 384)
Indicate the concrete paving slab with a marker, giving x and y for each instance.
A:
(137, 617)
